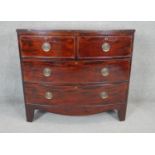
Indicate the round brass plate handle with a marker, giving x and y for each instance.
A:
(104, 95)
(106, 47)
(105, 71)
(47, 72)
(46, 47)
(48, 95)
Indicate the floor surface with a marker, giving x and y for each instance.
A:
(140, 118)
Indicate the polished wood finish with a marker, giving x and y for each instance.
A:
(77, 110)
(61, 46)
(75, 32)
(70, 72)
(122, 112)
(75, 60)
(91, 47)
(29, 112)
(76, 95)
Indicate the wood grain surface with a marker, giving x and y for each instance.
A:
(75, 59)
(74, 72)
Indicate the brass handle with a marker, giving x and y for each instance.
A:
(48, 95)
(46, 47)
(105, 71)
(104, 95)
(106, 47)
(47, 72)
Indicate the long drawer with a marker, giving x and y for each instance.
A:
(76, 95)
(76, 71)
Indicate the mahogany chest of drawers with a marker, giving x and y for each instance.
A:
(75, 72)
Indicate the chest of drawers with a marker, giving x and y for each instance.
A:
(75, 72)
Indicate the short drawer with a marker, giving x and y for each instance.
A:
(76, 71)
(47, 46)
(104, 46)
(76, 95)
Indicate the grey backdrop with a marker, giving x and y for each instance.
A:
(141, 106)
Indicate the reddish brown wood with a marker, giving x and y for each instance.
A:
(76, 84)
(75, 95)
(91, 46)
(76, 71)
(75, 109)
(29, 112)
(61, 46)
(75, 32)
(122, 112)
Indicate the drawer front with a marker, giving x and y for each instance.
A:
(76, 71)
(76, 95)
(47, 46)
(104, 47)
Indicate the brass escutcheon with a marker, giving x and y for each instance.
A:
(106, 47)
(48, 95)
(47, 72)
(46, 47)
(104, 95)
(105, 71)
